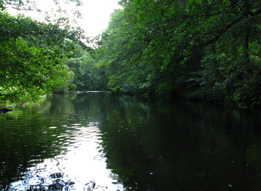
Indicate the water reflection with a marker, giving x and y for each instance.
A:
(110, 142)
(53, 148)
(81, 167)
(182, 146)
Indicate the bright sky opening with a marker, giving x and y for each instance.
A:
(95, 14)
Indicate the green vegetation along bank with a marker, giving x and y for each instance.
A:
(201, 50)
(204, 50)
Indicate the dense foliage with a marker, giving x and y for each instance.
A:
(32, 56)
(87, 73)
(206, 50)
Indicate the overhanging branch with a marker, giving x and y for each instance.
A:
(222, 32)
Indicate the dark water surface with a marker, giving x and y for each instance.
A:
(102, 141)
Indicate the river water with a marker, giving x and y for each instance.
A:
(103, 141)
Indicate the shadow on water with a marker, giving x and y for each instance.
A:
(182, 146)
(104, 141)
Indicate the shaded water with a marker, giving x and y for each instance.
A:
(102, 141)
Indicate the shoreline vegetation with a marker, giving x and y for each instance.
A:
(9, 107)
(196, 50)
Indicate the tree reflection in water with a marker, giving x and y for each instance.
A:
(59, 150)
(127, 143)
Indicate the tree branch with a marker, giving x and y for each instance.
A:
(20, 8)
(235, 3)
(222, 32)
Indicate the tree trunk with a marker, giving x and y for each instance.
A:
(245, 44)
(233, 44)
(246, 34)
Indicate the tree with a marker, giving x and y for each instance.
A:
(210, 48)
(32, 57)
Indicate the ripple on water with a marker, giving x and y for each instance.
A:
(80, 164)
(76, 124)
(52, 127)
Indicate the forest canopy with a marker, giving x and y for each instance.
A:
(201, 50)
(206, 50)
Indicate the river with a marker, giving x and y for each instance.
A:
(103, 141)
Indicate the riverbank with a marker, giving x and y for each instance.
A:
(79, 92)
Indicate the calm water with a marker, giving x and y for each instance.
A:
(102, 141)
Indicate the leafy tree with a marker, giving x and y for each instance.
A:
(210, 48)
(30, 4)
(88, 74)
(32, 57)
